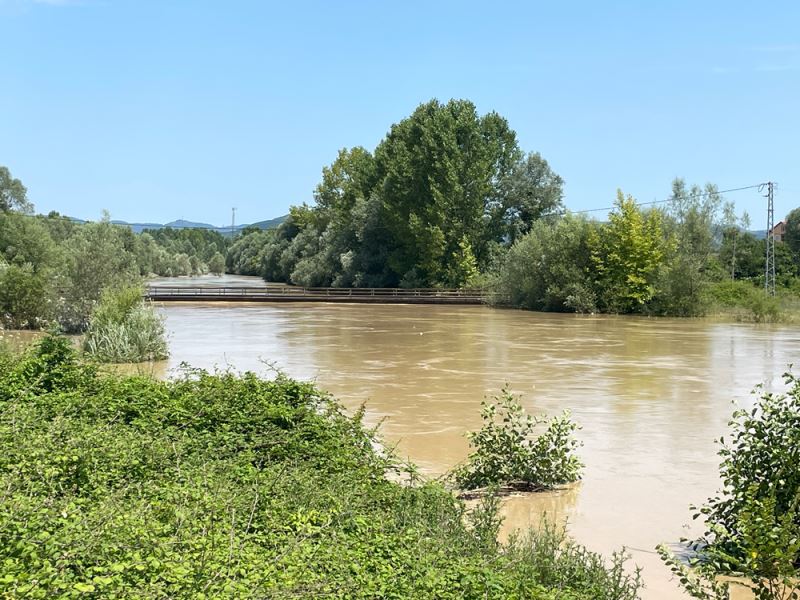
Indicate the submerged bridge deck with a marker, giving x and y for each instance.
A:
(285, 293)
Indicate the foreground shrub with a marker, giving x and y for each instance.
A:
(230, 486)
(124, 328)
(558, 562)
(507, 452)
(754, 523)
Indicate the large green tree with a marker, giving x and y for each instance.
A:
(439, 171)
(98, 256)
(29, 261)
(13, 195)
(695, 224)
(792, 236)
(530, 191)
(442, 191)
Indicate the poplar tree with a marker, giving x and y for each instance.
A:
(627, 255)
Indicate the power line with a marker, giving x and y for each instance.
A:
(560, 213)
(670, 199)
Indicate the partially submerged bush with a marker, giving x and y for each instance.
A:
(753, 525)
(507, 452)
(124, 328)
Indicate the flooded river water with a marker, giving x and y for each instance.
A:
(651, 394)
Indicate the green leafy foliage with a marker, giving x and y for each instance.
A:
(507, 452)
(753, 525)
(628, 255)
(175, 252)
(548, 268)
(98, 256)
(424, 209)
(25, 299)
(694, 226)
(217, 264)
(696, 578)
(558, 562)
(792, 236)
(223, 485)
(744, 301)
(762, 450)
(13, 195)
(54, 270)
(125, 329)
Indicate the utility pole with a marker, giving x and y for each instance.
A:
(769, 269)
(233, 221)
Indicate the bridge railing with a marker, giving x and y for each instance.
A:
(155, 292)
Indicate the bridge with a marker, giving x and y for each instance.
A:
(287, 293)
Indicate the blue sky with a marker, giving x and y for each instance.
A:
(165, 109)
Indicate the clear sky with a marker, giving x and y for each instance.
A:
(166, 109)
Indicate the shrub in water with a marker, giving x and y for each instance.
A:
(754, 523)
(507, 452)
(124, 328)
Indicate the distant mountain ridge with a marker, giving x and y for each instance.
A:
(183, 224)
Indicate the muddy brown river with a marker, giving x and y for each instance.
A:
(651, 395)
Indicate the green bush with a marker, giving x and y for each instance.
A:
(25, 298)
(552, 558)
(547, 268)
(507, 452)
(125, 329)
(746, 301)
(753, 524)
(226, 486)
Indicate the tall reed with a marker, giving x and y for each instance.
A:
(125, 329)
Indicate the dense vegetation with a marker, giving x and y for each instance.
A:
(691, 257)
(448, 198)
(218, 485)
(54, 269)
(175, 252)
(429, 206)
(754, 523)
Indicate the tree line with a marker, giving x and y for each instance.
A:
(446, 199)
(54, 269)
(432, 205)
(449, 199)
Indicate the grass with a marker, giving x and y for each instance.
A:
(743, 302)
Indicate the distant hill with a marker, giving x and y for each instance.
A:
(183, 224)
(268, 224)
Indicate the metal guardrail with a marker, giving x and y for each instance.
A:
(321, 294)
